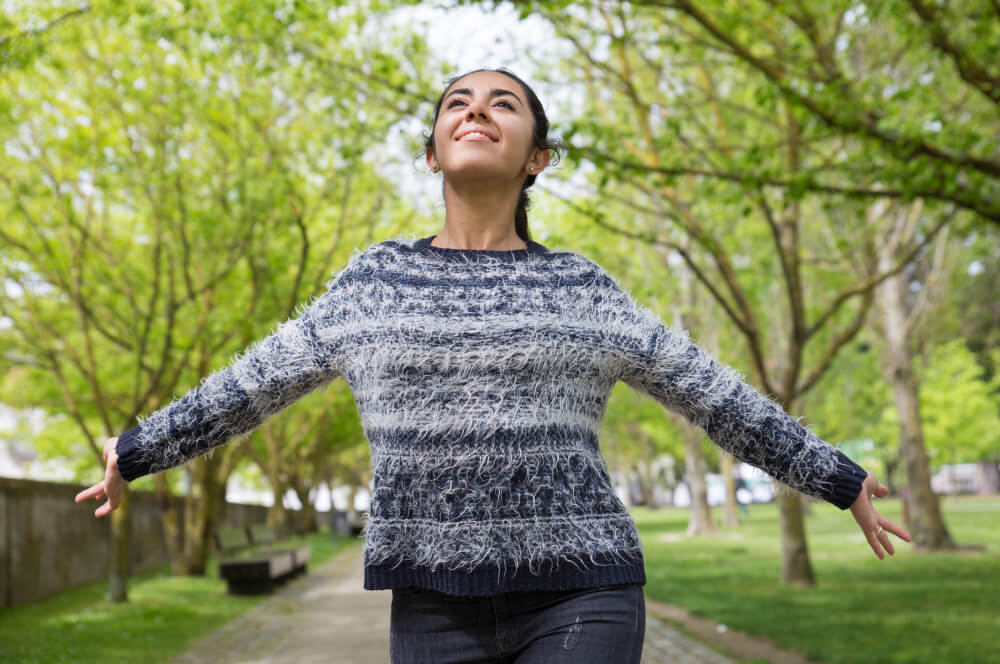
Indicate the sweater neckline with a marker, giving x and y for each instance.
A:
(423, 245)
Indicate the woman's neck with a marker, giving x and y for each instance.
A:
(479, 217)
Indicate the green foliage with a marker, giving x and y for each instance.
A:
(881, 98)
(25, 28)
(177, 180)
(973, 310)
(850, 404)
(959, 406)
(960, 410)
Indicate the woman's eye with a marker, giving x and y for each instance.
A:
(459, 101)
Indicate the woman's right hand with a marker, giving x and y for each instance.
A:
(111, 487)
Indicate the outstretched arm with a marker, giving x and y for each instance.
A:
(671, 368)
(303, 354)
(755, 429)
(750, 426)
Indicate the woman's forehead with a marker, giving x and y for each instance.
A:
(485, 79)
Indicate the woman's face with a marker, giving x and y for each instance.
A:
(484, 130)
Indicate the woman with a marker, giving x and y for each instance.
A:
(481, 363)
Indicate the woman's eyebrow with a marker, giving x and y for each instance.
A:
(495, 92)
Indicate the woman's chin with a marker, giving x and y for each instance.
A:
(478, 172)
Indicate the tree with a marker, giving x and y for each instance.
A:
(775, 258)
(883, 81)
(25, 29)
(921, 509)
(174, 183)
(959, 406)
(295, 451)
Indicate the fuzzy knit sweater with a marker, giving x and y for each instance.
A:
(481, 378)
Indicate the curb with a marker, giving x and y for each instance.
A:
(732, 642)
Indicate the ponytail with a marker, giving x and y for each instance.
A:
(521, 213)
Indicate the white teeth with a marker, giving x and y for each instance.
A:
(475, 132)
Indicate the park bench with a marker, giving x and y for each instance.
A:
(250, 569)
(263, 536)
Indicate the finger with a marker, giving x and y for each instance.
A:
(883, 538)
(875, 544)
(895, 529)
(96, 491)
(103, 509)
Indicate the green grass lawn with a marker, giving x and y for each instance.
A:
(164, 614)
(912, 608)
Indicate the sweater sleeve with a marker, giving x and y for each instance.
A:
(302, 354)
(684, 378)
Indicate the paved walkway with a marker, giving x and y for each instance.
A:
(323, 616)
(326, 616)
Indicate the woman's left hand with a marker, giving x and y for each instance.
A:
(875, 526)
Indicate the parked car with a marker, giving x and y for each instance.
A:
(754, 490)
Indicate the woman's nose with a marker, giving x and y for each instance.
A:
(475, 108)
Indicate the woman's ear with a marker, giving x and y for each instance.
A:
(431, 161)
(538, 160)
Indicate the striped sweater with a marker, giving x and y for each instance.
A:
(481, 378)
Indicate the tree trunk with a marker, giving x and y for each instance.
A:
(925, 522)
(694, 465)
(891, 462)
(278, 517)
(732, 510)
(200, 513)
(806, 505)
(989, 478)
(644, 473)
(796, 568)
(173, 525)
(648, 469)
(305, 519)
(118, 580)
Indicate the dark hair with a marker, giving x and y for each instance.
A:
(540, 136)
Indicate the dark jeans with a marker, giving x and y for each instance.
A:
(603, 625)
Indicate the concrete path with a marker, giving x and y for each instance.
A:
(323, 616)
(326, 616)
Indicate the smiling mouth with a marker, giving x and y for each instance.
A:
(476, 135)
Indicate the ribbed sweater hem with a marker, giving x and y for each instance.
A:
(479, 583)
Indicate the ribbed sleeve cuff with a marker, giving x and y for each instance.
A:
(846, 481)
(130, 462)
